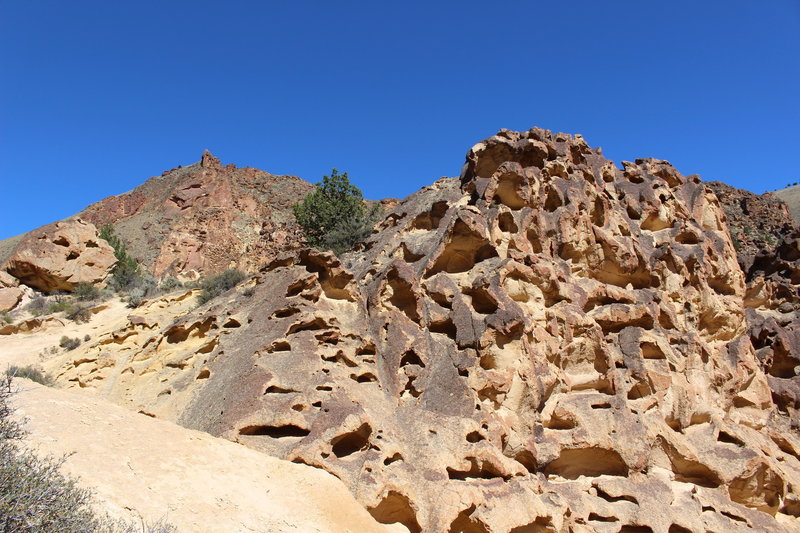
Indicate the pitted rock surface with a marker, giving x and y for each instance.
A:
(61, 255)
(205, 218)
(549, 343)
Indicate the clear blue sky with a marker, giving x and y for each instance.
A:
(97, 96)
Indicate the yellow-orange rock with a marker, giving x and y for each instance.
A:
(61, 255)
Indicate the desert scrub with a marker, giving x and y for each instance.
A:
(29, 372)
(218, 284)
(78, 314)
(35, 497)
(86, 292)
(69, 343)
(37, 305)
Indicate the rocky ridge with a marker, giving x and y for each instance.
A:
(549, 343)
(205, 218)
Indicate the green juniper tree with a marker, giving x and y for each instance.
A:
(334, 216)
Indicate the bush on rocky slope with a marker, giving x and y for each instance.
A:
(334, 216)
(218, 284)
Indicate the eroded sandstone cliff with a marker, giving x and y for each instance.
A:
(549, 343)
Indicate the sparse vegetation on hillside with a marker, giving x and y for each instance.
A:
(334, 216)
(69, 343)
(216, 285)
(126, 273)
(29, 372)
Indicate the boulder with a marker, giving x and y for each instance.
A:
(61, 255)
(9, 298)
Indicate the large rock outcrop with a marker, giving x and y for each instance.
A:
(61, 255)
(205, 218)
(549, 343)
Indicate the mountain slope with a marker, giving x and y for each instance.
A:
(791, 195)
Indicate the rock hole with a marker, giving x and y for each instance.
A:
(734, 517)
(410, 389)
(651, 350)
(675, 528)
(477, 470)
(634, 528)
(590, 462)
(204, 374)
(464, 248)
(231, 323)
(639, 390)
(614, 499)
(506, 223)
(275, 389)
(483, 302)
(444, 326)
(61, 241)
(307, 325)
(275, 432)
(396, 508)
(527, 459)
(465, 523)
(594, 517)
(280, 346)
(474, 436)
(411, 358)
(285, 312)
(729, 439)
(553, 200)
(403, 298)
(543, 524)
(325, 388)
(351, 442)
(367, 377)
(431, 219)
(393, 459)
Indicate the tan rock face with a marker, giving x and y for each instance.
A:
(549, 343)
(61, 255)
(205, 218)
(194, 481)
(9, 298)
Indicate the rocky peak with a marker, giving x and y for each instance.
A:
(207, 160)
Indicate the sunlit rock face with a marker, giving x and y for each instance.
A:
(548, 343)
(59, 256)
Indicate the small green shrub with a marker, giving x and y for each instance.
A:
(86, 292)
(249, 292)
(5, 317)
(218, 284)
(87, 338)
(126, 272)
(37, 305)
(169, 284)
(29, 372)
(69, 343)
(59, 306)
(78, 314)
